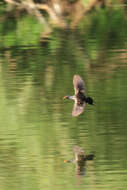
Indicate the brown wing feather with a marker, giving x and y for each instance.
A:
(79, 84)
(77, 109)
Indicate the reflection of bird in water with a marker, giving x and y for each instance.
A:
(80, 160)
(79, 97)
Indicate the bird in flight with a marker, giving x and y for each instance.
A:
(80, 99)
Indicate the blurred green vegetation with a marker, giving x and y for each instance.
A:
(102, 25)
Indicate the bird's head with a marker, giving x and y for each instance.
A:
(66, 97)
(67, 161)
(69, 97)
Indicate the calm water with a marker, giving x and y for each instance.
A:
(37, 131)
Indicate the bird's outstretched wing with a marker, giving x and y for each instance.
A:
(79, 84)
(77, 109)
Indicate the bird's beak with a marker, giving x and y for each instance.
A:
(65, 97)
(66, 161)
